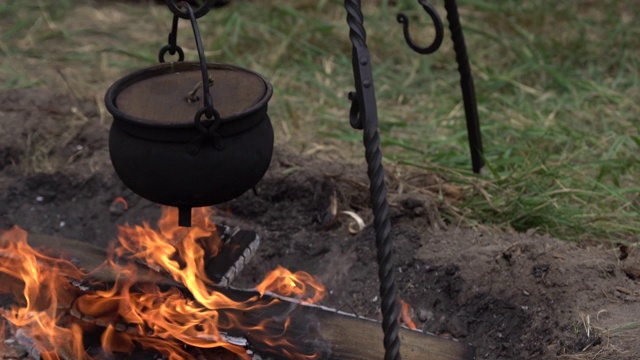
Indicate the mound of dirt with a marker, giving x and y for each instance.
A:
(512, 295)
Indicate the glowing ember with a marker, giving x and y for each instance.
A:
(128, 314)
(120, 201)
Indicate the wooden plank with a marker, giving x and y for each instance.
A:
(365, 341)
(338, 335)
(312, 328)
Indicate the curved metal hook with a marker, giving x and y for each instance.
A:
(437, 22)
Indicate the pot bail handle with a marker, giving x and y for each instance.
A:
(210, 113)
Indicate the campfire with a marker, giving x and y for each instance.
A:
(153, 291)
(167, 290)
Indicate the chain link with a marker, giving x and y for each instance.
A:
(172, 47)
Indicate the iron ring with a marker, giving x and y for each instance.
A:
(171, 50)
(183, 14)
(209, 113)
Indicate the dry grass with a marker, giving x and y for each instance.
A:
(600, 341)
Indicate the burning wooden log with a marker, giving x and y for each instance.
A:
(238, 246)
(310, 329)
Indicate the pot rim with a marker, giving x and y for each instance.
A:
(171, 67)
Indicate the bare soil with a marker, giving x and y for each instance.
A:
(511, 295)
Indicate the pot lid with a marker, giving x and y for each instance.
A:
(159, 95)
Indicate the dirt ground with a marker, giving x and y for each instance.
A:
(511, 295)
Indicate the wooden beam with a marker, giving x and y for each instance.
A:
(365, 340)
(330, 333)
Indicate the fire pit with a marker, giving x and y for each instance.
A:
(158, 292)
(192, 135)
(155, 291)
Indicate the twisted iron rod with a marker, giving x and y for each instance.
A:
(466, 84)
(364, 116)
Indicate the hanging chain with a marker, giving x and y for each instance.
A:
(183, 10)
(207, 119)
(172, 46)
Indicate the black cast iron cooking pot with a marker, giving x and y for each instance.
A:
(158, 151)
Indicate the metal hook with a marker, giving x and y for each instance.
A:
(437, 22)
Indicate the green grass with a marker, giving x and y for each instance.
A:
(557, 85)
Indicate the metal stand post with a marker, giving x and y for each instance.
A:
(364, 115)
(466, 80)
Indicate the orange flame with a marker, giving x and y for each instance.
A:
(44, 289)
(300, 285)
(130, 313)
(405, 315)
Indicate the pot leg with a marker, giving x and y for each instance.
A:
(184, 216)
